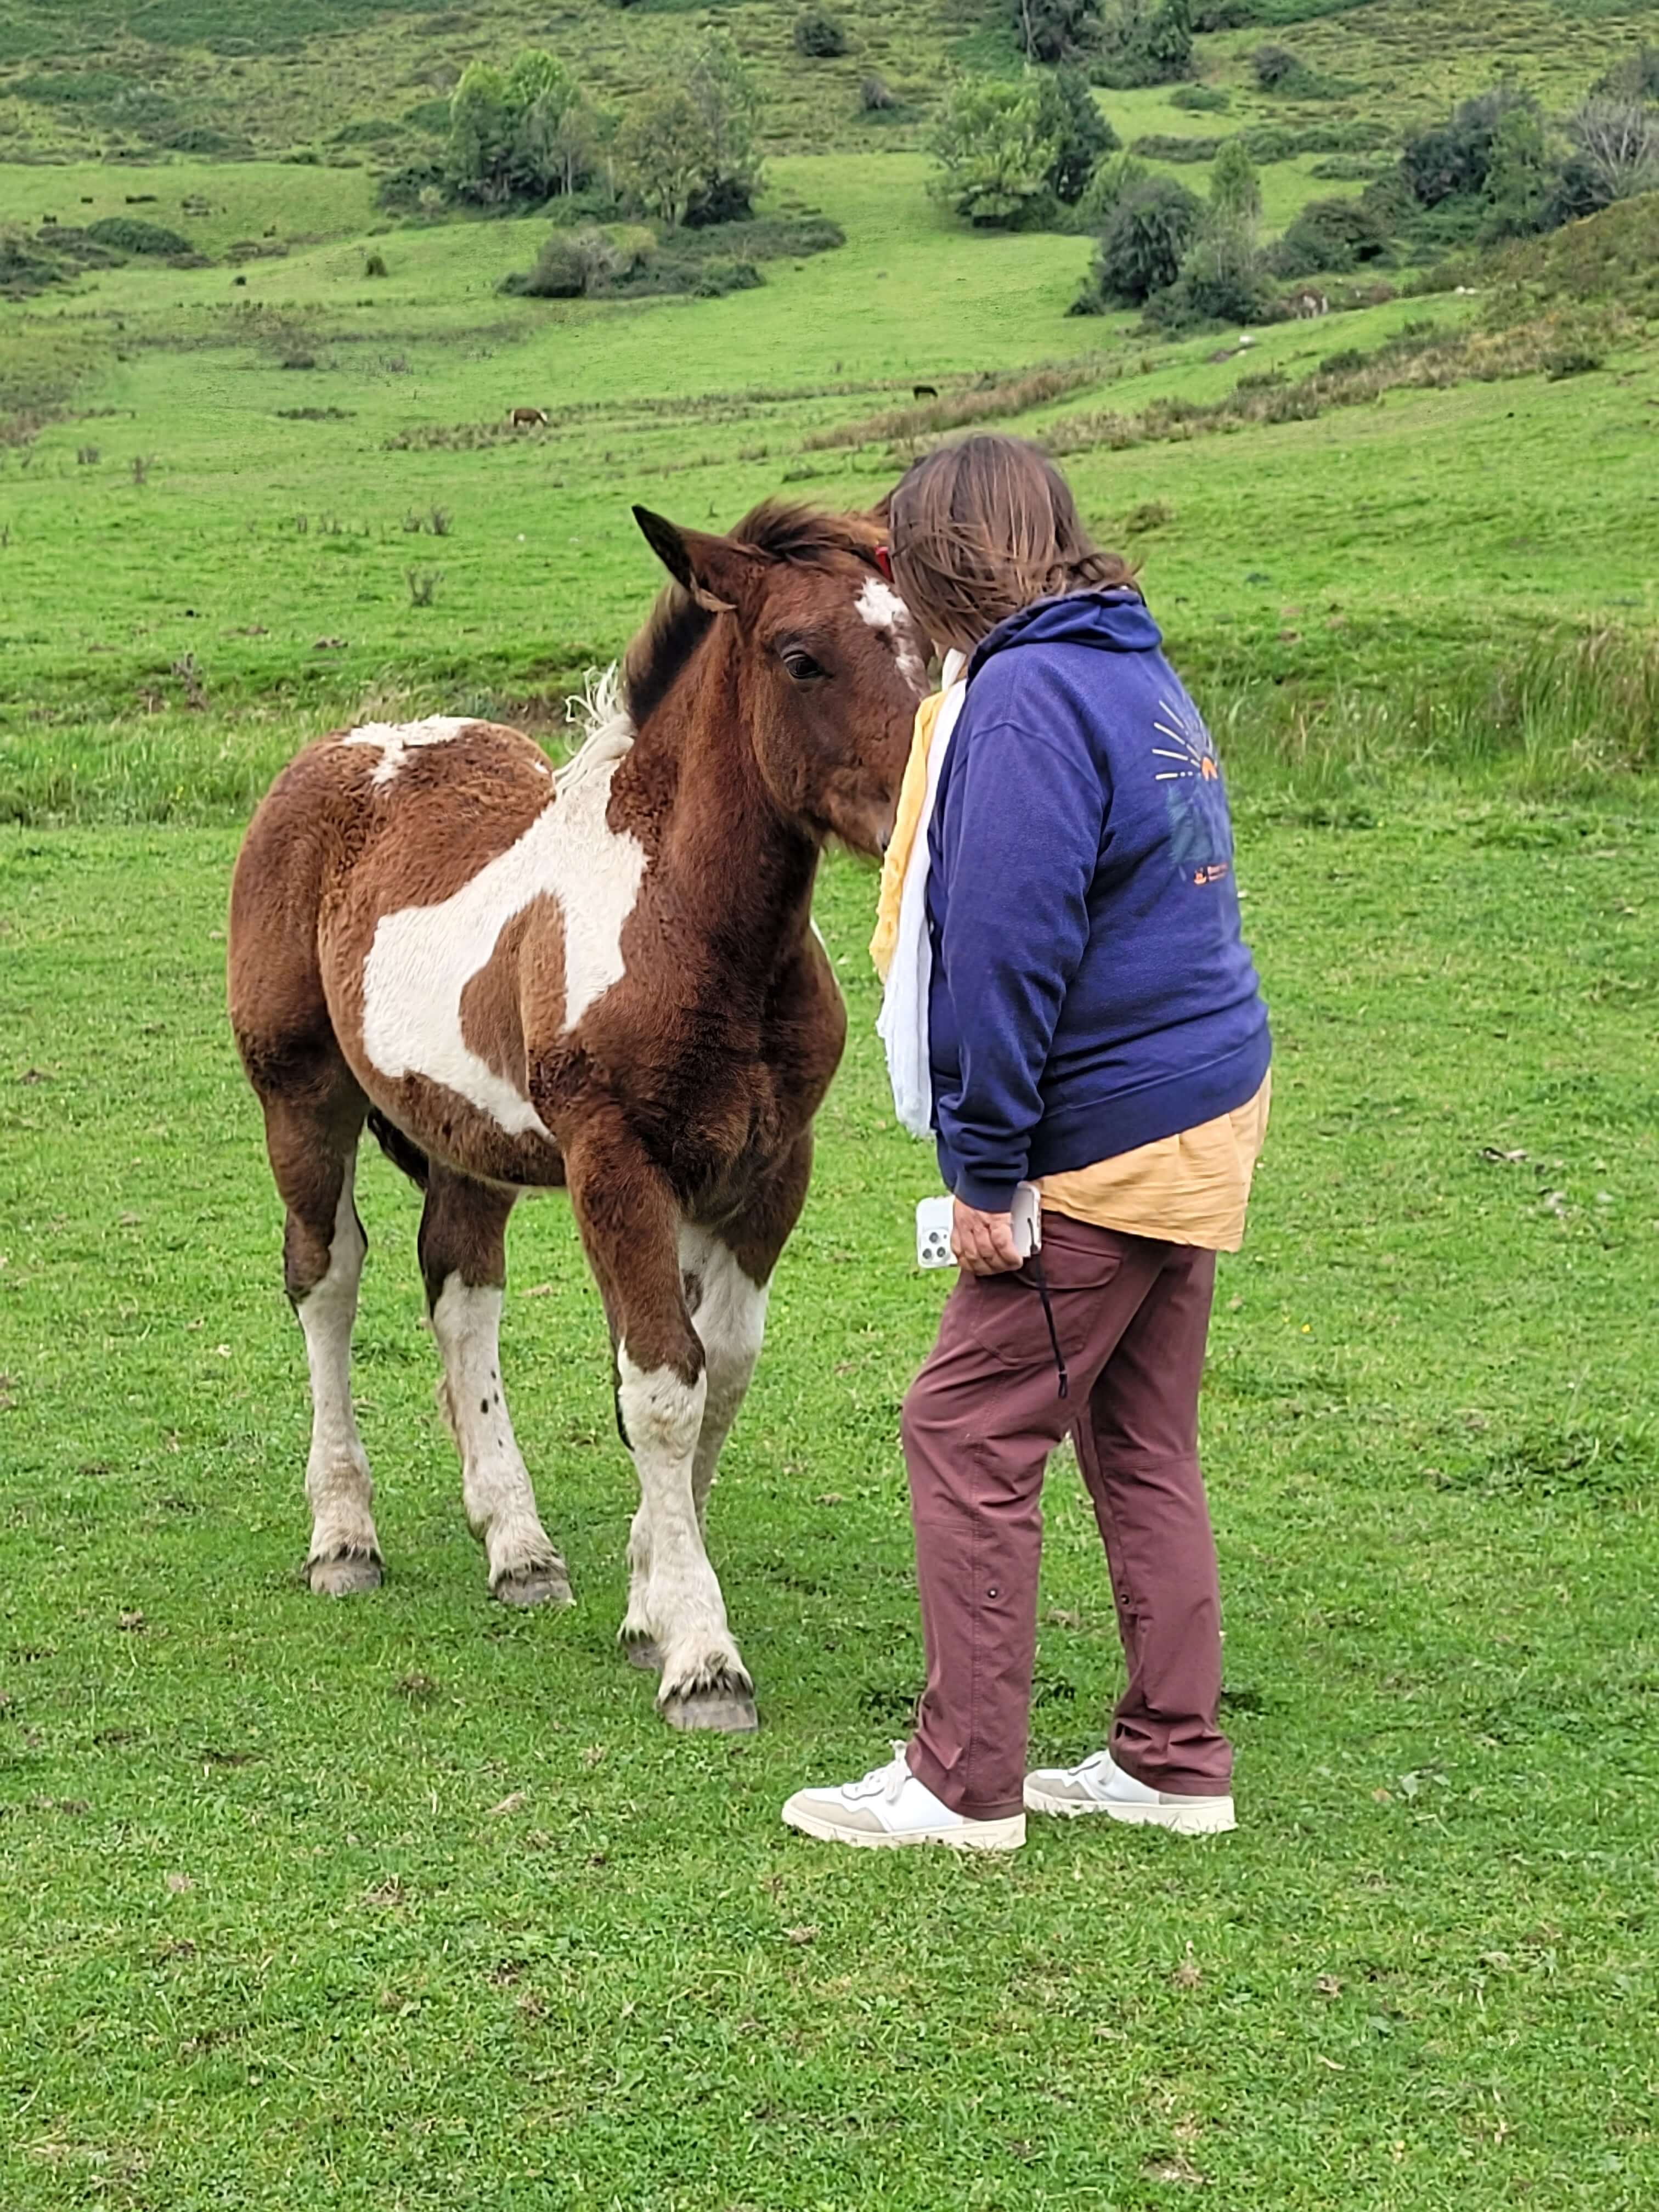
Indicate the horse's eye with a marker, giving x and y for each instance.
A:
(803, 667)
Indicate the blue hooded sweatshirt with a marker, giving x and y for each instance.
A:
(1090, 989)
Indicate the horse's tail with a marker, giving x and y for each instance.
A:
(403, 1151)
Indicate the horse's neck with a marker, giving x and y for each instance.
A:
(739, 874)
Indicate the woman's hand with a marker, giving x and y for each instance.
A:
(983, 1243)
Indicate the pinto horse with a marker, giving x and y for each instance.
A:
(605, 978)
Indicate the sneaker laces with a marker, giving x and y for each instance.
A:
(883, 1782)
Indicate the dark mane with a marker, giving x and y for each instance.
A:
(677, 625)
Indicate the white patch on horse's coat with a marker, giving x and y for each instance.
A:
(679, 1605)
(423, 956)
(397, 740)
(880, 605)
(337, 1484)
(500, 1505)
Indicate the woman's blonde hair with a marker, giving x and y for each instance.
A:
(980, 529)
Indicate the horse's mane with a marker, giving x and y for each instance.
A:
(677, 624)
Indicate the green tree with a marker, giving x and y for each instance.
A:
(480, 133)
(1070, 114)
(724, 95)
(1235, 187)
(1148, 237)
(996, 144)
(538, 90)
(1521, 178)
(662, 149)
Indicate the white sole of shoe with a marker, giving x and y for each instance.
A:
(971, 1836)
(1200, 1816)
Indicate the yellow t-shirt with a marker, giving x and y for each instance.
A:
(1193, 1189)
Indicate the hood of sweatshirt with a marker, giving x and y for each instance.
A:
(1114, 620)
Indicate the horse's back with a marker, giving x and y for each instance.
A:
(364, 822)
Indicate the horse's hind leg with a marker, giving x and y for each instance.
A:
(313, 1143)
(464, 1260)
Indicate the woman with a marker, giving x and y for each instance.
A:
(1094, 1026)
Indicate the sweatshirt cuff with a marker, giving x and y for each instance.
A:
(987, 1197)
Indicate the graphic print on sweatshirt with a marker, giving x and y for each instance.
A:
(1200, 833)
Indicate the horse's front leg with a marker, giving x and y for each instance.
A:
(631, 1226)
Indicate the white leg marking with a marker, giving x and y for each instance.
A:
(337, 1485)
(395, 740)
(880, 605)
(730, 1318)
(500, 1505)
(683, 1606)
(423, 956)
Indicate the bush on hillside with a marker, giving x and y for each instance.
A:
(1617, 141)
(1201, 98)
(1141, 42)
(1235, 187)
(1157, 146)
(1148, 236)
(1634, 77)
(819, 36)
(1454, 159)
(1330, 236)
(127, 234)
(1056, 30)
(1221, 281)
(1274, 66)
(997, 142)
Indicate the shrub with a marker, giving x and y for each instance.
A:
(1142, 42)
(1617, 141)
(819, 36)
(1330, 235)
(374, 264)
(1275, 65)
(1149, 235)
(1112, 179)
(1235, 187)
(1455, 158)
(1056, 30)
(560, 273)
(1221, 281)
(1201, 98)
(997, 142)
(1155, 146)
(128, 234)
(721, 276)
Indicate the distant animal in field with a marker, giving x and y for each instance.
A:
(1227, 353)
(1308, 306)
(605, 980)
(526, 418)
(924, 391)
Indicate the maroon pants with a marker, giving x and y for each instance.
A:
(979, 1423)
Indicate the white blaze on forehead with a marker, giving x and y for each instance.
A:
(397, 740)
(880, 605)
(424, 957)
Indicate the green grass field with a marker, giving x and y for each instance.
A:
(411, 1903)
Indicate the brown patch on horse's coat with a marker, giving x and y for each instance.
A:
(514, 983)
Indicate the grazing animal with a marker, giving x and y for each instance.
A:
(924, 391)
(1308, 306)
(527, 418)
(605, 979)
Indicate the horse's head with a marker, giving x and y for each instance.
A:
(829, 666)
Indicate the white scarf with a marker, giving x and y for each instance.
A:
(902, 1026)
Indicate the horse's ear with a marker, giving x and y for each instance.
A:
(717, 572)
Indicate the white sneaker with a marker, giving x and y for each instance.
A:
(1099, 1785)
(889, 1808)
